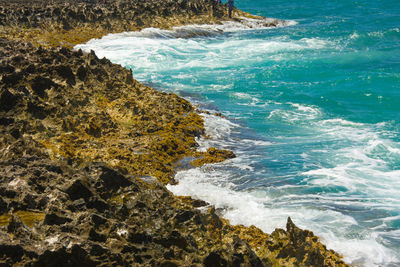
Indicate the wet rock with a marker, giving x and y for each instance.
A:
(212, 155)
(199, 203)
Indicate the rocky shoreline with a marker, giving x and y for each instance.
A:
(85, 151)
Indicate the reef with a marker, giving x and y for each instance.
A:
(86, 151)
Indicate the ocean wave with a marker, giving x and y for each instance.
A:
(247, 208)
(217, 128)
(301, 115)
(146, 55)
(321, 170)
(374, 37)
(206, 30)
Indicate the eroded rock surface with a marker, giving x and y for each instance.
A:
(56, 214)
(82, 108)
(85, 150)
(67, 23)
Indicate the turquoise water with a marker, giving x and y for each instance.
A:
(312, 111)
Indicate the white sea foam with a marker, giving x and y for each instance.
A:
(208, 30)
(302, 114)
(200, 30)
(246, 99)
(154, 49)
(357, 170)
(213, 186)
(243, 96)
(149, 54)
(354, 35)
(217, 128)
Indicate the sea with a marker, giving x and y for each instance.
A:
(311, 109)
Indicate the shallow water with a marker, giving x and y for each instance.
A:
(313, 114)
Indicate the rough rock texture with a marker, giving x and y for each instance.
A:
(85, 150)
(82, 108)
(56, 214)
(67, 23)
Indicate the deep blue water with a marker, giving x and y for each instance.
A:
(313, 114)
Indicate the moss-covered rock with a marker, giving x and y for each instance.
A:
(85, 150)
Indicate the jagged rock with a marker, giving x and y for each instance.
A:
(4, 121)
(66, 73)
(243, 255)
(39, 84)
(15, 224)
(173, 239)
(52, 219)
(30, 69)
(11, 251)
(138, 238)
(81, 73)
(6, 68)
(98, 220)
(184, 216)
(62, 257)
(15, 133)
(98, 250)
(212, 155)
(95, 236)
(3, 206)
(215, 259)
(98, 204)
(12, 79)
(7, 100)
(112, 179)
(37, 109)
(55, 126)
(78, 190)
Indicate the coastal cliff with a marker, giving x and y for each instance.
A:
(85, 151)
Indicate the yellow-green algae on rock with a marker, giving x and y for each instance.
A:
(79, 135)
(55, 23)
(27, 217)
